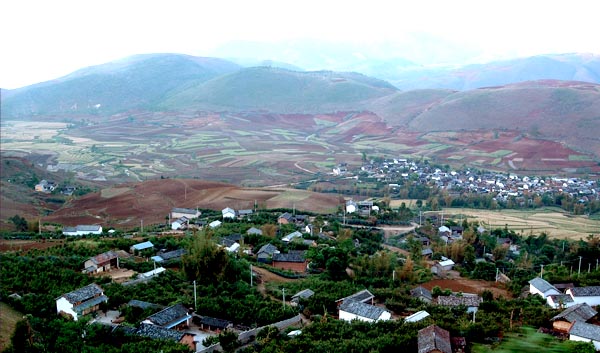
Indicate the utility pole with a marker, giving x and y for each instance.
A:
(542, 272)
(497, 274)
(142, 225)
(283, 297)
(39, 226)
(394, 275)
(195, 300)
(589, 267)
(251, 275)
(579, 271)
(419, 218)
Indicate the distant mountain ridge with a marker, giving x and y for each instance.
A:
(563, 110)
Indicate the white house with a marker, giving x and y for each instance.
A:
(83, 230)
(558, 301)
(180, 223)
(214, 224)
(228, 213)
(416, 317)
(589, 295)
(541, 287)
(189, 213)
(291, 236)
(351, 206)
(82, 301)
(355, 310)
(580, 331)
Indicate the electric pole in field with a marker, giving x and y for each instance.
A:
(195, 301)
(251, 275)
(579, 271)
(283, 297)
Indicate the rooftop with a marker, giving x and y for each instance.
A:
(362, 309)
(104, 257)
(591, 291)
(454, 300)
(157, 332)
(215, 323)
(304, 294)
(142, 246)
(542, 285)
(362, 296)
(421, 292)
(269, 249)
(584, 330)
(168, 316)
(579, 312)
(85, 293)
(292, 256)
(418, 316)
(433, 337)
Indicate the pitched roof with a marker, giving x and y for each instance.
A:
(291, 236)
(421, 292)
(173, 254)
(214, 322)
(292, 256)
(254, 230)
(157, 332)
(89, 228)
(434, 337)
(142, 246)
(561, 298)
(269, 249)
(362, 296)
(362, 309)
(591, 291)
(579, 312)
(286, 216)
(454, 300)
(104, 257)
(584, 330)
(142, 304)
(542, 285)
(189, 211)
(83, 293)
(169, 315)
(304, 294)
(418, 316)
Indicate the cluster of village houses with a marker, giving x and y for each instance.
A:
(577, 319)
(502, 186)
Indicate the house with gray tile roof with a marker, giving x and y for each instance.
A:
(81, 301)
(363, 296)
(265, 253)
(471, 302)
(589, 295)
(161, 333)
(578, 312)
(354, 310)
(580, 331)
(434, 339)
(303, 294)
(171, 317)
(541, 287)
(422, 293)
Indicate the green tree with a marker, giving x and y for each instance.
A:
(205, 261)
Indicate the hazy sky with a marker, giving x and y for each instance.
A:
(42, 40)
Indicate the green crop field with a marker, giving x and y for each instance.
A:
(527, 341)
(9, 318)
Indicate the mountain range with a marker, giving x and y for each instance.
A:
(559, 98)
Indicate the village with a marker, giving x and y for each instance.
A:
(296, 247)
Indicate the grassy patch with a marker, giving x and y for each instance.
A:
(9, 318)
(527, 341)
(579, 157)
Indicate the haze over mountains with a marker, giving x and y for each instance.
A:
(549, 104)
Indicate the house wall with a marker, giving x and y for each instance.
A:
(534, 290)
(591, 300)
(62, 304)
(188, 340)
(264, 258)
(582, 339)
(282, 221)
(344, 315)
(175, 215)
(292, 266)
(562, 326)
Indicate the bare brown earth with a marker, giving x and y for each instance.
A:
(7, 245)
(465, 285)
(151, 201)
